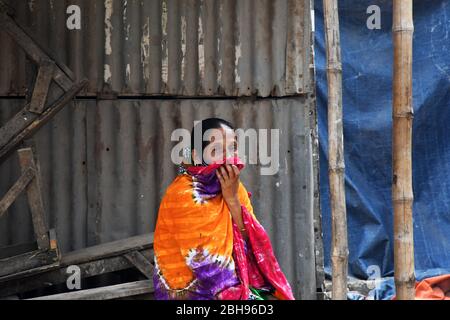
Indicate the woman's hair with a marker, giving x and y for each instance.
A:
(207, 124)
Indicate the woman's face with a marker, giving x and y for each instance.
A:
(222, 145)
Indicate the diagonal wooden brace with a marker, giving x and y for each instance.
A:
(16, 190)
(141, 263)
(42, 86)
(63, 76)
(26, 123)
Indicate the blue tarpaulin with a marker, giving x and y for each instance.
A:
(367, 57)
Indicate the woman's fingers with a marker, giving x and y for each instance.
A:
(219, 175)
(230, 171)
(227, 172)
(235, 170)
(224, 173)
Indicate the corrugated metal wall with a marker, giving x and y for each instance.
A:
(105, 164)
(174, 47)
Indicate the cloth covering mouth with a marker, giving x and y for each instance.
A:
(206, 170)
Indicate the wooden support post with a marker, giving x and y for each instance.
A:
(402, 115)
(42, 86)
(35, 199)
(339, 246)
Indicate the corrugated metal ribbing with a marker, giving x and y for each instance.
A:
(106, 164)
(171, 47)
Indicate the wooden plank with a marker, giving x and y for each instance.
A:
(59, 275)
(27, 261)
(16, 190)
(35, 201)
(29, 272)
(15, 125)
(105, 293)
(42, 86)
(141, 263)
(63, 75)
(115, 248)
(41, 120)
(17, 249)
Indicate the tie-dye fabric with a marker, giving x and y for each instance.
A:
(199, 250)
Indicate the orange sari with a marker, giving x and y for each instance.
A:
(200, 253)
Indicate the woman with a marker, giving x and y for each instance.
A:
(208, 243)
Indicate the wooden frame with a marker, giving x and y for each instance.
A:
(15, 262)
(35, 113)
(135, 252)
(23, 125)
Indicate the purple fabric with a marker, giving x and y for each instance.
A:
(206, 186)
(211, 275)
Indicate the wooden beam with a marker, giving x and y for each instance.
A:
(27, 261)
(42, 86)
(59, 275)
(63, 76)
(20, 185)
(41, 120)
(17, 249)
(15, 125)
(35, 201)
(100, 259)
(105, 293)
(114, 248)
(141, 263)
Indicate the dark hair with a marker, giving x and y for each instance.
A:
(207, 124)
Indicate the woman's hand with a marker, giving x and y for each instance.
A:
(229, 180)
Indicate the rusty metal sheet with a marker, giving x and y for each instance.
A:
(171, 47)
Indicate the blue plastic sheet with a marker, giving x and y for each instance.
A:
(367, 57)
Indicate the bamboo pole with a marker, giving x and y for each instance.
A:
(402, 116)
(339, 245)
